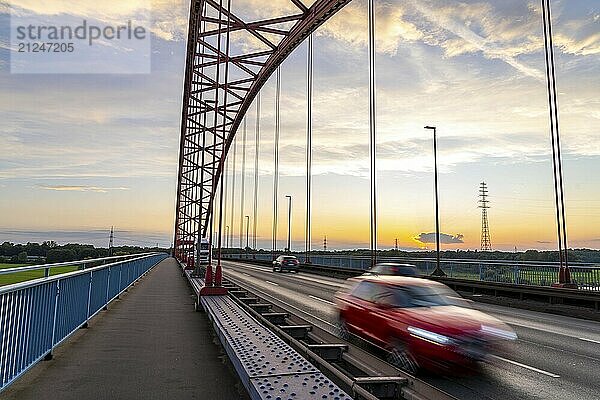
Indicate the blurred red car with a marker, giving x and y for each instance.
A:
(422, 323)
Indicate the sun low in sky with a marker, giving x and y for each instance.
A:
(81, 152)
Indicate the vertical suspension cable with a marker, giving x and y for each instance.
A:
(372, 133)
(243, 188)
(225, 179)
(256, 173)
(276, 173)
(550, 108)
(555, 140)
(309, 90)
(558, 147)
(215, 182)
(199, 157)
(223, 140)
(232, 216)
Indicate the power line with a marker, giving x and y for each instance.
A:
(486, 244)
(111, 240)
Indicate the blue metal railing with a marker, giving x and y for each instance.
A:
(585, 275)
(38, 315)
(80, 264)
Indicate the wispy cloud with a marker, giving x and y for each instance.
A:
(80, 188)
(452, 18)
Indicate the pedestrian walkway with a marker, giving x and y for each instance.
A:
(151, 344)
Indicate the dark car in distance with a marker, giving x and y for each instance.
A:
(286, 263)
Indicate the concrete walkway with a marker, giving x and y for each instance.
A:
(151, 344)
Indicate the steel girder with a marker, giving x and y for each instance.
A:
(223, 75)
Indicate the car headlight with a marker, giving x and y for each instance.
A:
(498, 332)
(429, 336)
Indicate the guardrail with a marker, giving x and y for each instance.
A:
(587, 302)
(38, 315)
(81, 264)
(585, 275)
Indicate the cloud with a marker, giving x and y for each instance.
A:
(80, 188)
(495, 45)
(169, 17)
(444, 238)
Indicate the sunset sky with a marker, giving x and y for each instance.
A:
(82, 152)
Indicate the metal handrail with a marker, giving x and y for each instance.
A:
(384, 258)
(587, 277)
(34, 282)
(40, 314)
(6, 271)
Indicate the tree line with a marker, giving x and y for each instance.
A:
(51, 252)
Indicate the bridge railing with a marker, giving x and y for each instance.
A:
(37, 315)
(73, 265)
(585, 275)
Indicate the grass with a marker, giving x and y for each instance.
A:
(9, 279)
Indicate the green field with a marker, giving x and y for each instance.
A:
(26, 276)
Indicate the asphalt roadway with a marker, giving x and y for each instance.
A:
(150, 344)
(555, 357)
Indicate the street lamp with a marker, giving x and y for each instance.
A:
(247, 233)
(438, 271)
(289, 238)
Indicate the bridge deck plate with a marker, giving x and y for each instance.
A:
(268, 367)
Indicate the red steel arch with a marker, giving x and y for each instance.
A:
(222, 78)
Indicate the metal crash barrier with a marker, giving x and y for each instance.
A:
(38, 315)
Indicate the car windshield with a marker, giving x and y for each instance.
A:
(204, 246)
(430, 296)
(419, 296)
(394, 269)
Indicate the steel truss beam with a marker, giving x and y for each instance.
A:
(215, 101)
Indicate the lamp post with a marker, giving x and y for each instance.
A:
(438, 271)
(247, 233)
(227, 236)
(289, 238)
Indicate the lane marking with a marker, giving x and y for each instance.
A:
(541, 371)
(243, 273)
(272, 283)
(589, 340)
(321, 282)
(559, 349)
(320, 299)
(553, 331)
